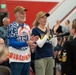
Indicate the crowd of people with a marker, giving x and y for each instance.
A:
(37, 51)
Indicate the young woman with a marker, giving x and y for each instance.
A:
(44, 49)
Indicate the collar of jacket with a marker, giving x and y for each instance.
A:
(74, 37)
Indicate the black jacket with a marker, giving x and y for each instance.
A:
(69, 65)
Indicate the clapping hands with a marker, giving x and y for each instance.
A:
(34, 38)
(32, 41)
(48, 30)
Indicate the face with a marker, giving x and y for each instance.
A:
(6, 22)
(72, 31)
(5, 55)
(1, 42)
(21, 16)
(58, 22)
(43, 20)
(66, 22)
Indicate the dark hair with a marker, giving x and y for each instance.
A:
(68, 21)
(59, 38)
(4, 70)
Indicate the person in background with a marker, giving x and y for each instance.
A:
(66, 27)
(68, 54)
(57, 29)
(4, 70)
(3, 29)
(57, 52)
(4, 54)
(3, 35)
(20, 43)
(44, 50)
(2, 42)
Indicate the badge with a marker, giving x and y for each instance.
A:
(64, 57)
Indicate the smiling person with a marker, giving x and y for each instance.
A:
(44, 50)
(20, 43)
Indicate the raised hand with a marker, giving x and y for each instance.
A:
(48, 30)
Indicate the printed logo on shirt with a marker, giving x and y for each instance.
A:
(19, 57)
(50, 36)
(23, 31)
(42, 36)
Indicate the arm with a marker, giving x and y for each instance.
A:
(54, 41)
(12, 37)
(2, 34)
(16, 44)
(41, 42)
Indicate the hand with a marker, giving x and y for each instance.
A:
(33, 46)
(2, 60)
(30, 42)
(48, 30)
(34, 38)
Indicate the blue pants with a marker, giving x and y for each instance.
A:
(18, 68)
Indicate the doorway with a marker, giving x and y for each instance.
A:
(2, 15)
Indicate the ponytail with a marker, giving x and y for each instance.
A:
(36, 23)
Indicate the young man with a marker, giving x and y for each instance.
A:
(19, 43)
(69, 53)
